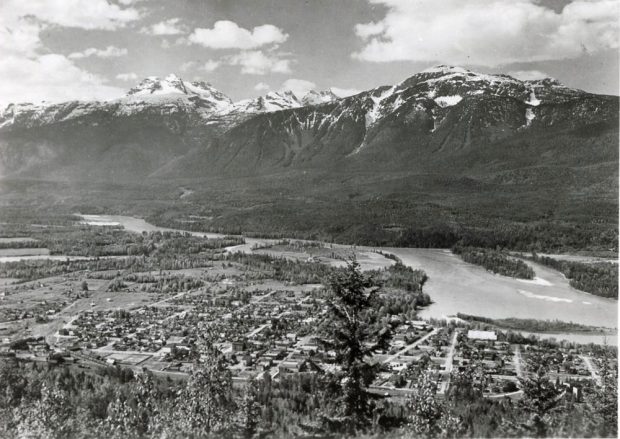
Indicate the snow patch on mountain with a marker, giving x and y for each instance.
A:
(448, 101)
(533, 99)
(529, 116)
(375, 112)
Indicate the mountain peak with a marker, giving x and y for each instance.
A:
(153, 85)
(314, 97)
(272, 101)
(153, 89)
(443, 68)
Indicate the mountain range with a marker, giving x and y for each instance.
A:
(439, 133)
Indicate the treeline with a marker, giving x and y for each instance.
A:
(494, 261)
(373, 223)
(283, 269)
(600, 279)
(25, 243)
(94, 241)
(531, 325)
(28, 270)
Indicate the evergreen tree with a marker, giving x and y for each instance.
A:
(541, 397)
(603, 401)
(206, 406)
(353, 294)
(249, 411)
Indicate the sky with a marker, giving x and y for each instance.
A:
(57, 50)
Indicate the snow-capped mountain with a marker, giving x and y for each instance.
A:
(167, 96)
(170, 95)
(319, 97)
(155, 91)
(272, 101)
(170, 127)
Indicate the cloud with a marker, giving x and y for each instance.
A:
(127, 76)
(298, 86)
(528, 75)
(210, 65)
(83, 14)
(344, 92)
(108, 52)
(171, 26)
(228, 35)
(52, 77)
(487, 32)
(261, 86)
(256, 62)
(28, 73)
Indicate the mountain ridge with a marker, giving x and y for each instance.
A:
(444, 153)
(170, 128)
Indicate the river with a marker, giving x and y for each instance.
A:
(456, 286)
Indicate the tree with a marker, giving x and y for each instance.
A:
(603, 401)
(206, 405)
(469, 384)
(541, 397)
(249, 411)
(44, 417)
(428, 417)
(352, 294)
(135, 412)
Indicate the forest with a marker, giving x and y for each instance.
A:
(495, 261)
(600, 279)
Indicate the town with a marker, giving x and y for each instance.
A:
(148, 321)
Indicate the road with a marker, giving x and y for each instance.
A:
(410, 346)
(517, 361)
(595, 375)
(445, 383)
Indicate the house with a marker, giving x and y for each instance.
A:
(297, 366)
(238, 345)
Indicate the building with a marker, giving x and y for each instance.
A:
(481, 335)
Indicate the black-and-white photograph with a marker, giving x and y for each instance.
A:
(256, 219)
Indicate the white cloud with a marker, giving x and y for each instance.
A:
(26, 74)
(84, 14)
(171, 26)
(210, 65)
(344, 92)
(298, 86)
(228, 35)
(487, 32)
(127, 76)
(51, 77)
(256, 62)
(261, 86)
(108, 52)
(528, 75)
